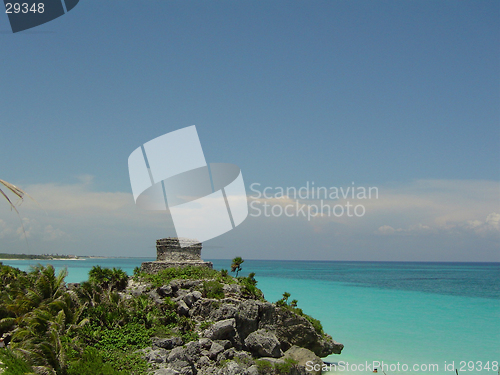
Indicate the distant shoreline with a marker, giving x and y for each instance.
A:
(7, 256)
(42, 259)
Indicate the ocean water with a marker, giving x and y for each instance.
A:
(430, 317)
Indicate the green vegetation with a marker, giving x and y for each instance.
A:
(267, 368)
(113, 279)
(292, 306)
(87, 328)
(91, 363)
(90, 328)
(249, 287)
(212, 289)
(187, 273)
(13, 364)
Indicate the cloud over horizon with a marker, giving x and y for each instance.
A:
(459, 220)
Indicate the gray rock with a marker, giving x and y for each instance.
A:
(180, 294)
(178, 354)
(165, 371)
(247, 318)
(193, 351)
(302, 356)
(168, 343)
(156, 355)
(137, 288)
(232, 368)
(165, 291)
(184, 284)
(293, 329)
(205, 343)
(253, 370)
(155, 297)
(182, 308)
(203, 308)
(204, 361)
(191, 298)
(263, 343)
(232, 289)
(244, 358)
(226, 311)
(224, 329)
(225, 355)
(225, 343)
(272, 360)
(180, 366)
(197, 295)
(215, 349)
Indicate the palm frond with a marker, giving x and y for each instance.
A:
(15, 190)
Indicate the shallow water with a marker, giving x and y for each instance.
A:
(413, 313)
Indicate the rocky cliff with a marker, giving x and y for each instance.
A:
(235, 334)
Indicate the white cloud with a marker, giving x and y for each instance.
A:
(448, 216)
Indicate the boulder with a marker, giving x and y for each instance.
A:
(205, 343)
(156, 355)
(293, 329)
(247, 317)
(182, 308)
(192, 297)
(232, 368)
(215, 349)
(165, 291)
(226, 311)
(155, 297)
(302, 356)
(222, 330)
(165, 371)
(263, 343)
(168, 343)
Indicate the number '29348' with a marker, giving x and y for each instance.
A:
(478, 366)
(24, 8)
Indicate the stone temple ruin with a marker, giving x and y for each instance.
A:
(169, 253)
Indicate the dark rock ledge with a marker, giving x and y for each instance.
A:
(244, 336)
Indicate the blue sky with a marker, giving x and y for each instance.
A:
(399, 95)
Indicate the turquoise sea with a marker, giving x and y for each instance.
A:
(415, 314)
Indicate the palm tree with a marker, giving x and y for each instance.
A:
(286, 295)
(106, 278)
(236, 265)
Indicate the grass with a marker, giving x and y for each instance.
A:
(164, 277)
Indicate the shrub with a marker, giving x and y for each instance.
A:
(267, 368)
(284, 368)
(264, 367)
(164, 277)
(249, 288)
(205, 324)
(131, 336)
(92, 363)
(212, 289)
(117, 347)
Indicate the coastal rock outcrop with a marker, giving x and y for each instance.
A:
(237, 334)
